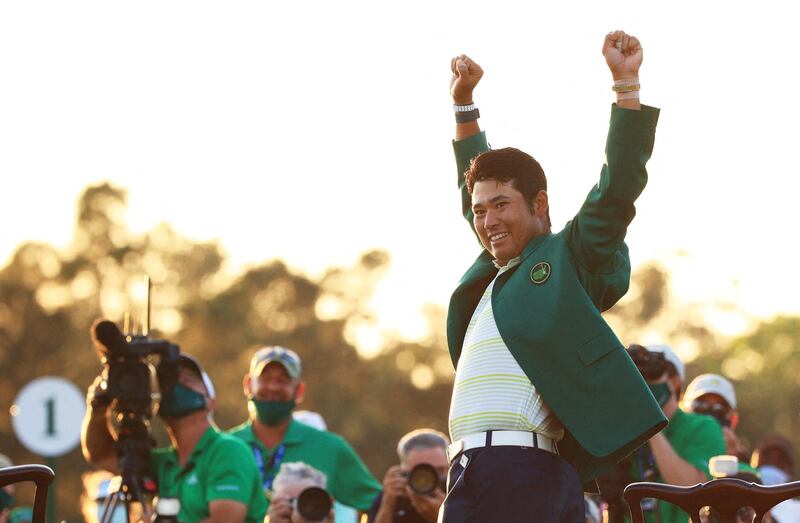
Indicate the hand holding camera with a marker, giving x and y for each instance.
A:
(314, 504)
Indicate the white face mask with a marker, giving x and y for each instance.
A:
(771, 475)
(117, 517)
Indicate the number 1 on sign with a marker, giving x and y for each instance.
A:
(50, 412)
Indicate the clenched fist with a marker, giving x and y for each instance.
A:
(466, 75)
(623, 55)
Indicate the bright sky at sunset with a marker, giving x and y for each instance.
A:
(314, 131)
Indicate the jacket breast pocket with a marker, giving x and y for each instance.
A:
(596, 348)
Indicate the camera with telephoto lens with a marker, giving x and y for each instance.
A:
(314, 504)
(652, 365)
(423, 479)
(639, 466)
(127, 386)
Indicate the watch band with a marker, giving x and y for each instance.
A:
(468, 116)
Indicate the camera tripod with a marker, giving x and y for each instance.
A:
(134, 483)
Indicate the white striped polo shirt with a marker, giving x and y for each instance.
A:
(491, 391)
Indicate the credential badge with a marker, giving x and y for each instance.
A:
(540, 273)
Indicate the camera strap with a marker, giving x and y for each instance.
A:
(274, 462)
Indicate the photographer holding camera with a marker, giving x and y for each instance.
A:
(300, 496)
(211, 474)
(713, 395)
(680, 454)
(414, 490)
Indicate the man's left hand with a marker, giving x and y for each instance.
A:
(426, 506)
(623, 55)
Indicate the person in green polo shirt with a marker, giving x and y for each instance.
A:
(680, 454)
(211, 474)
(273, 389)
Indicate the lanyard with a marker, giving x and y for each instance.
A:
(274, 462)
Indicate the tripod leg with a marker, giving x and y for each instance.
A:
(109, 504)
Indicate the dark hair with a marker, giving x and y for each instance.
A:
(509, 165)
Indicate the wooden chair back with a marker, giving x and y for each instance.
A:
(40, 475)
(726, 495)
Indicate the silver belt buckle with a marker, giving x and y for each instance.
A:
(454, 449)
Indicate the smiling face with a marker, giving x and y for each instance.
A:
(504, 221)
(274, 384)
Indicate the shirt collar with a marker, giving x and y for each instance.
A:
(513, 262)
(531, 246)
(295, 433)
(205, 440)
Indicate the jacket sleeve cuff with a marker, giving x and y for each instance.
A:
(627, 123)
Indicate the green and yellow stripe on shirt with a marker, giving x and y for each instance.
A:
(491, 391)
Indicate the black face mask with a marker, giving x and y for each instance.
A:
(661, 392)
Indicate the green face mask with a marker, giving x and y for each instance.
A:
(273, 412)
(181, 401)
(661, 392)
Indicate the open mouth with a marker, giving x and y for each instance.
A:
(494, 238)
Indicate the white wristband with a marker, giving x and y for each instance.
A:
(631, 95)
(463, 108)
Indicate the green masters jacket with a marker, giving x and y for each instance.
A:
(548, 308)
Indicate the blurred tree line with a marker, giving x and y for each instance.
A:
(49, 297)
(764, 365)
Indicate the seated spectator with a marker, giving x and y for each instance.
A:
(290, 482)
(774, 459)
(398, 502)
(727, 466)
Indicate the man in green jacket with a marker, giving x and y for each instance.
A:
(545, 397)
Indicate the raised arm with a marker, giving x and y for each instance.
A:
(466, 75)
(596, 235)
(469, 141)
(98, 444)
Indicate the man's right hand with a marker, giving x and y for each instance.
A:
(280, 510)
(97, 395)
(394, 485)
(466, 75)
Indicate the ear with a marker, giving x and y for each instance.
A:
(734, 420)
(211, 404)
(540, 204)
(247, 382)
(300, 393)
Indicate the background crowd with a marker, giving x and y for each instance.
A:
(50, 295)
